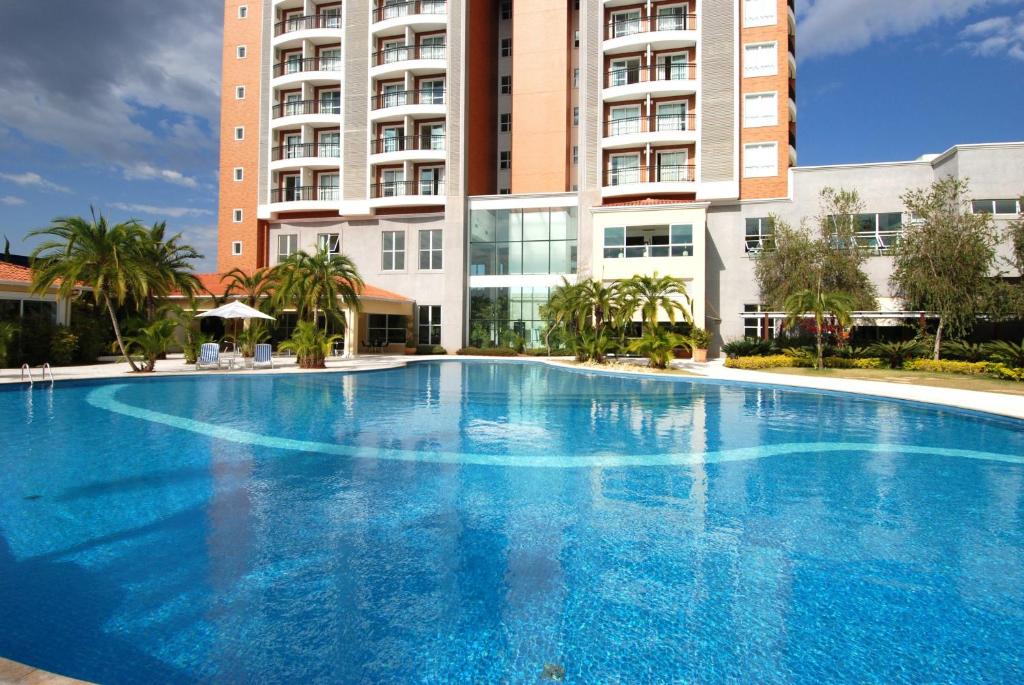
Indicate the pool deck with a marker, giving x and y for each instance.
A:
(11, 673)
(990, 402)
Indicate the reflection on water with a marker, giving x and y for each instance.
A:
(230, 562)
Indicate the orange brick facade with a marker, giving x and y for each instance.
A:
(240, 195)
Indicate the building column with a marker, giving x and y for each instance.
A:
(351, 333)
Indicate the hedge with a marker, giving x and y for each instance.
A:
(948, 366)
(488, 351)
(782, 361)
(430, 349)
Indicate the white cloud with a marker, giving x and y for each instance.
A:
(996, 37)
(152, 210)
(843, 26)
(11, 201)
(148, 172)
(30, 179)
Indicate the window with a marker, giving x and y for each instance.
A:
(760, 59)
(236, 216)
(576, 77)
(239, 173)
(429, 325)
(760, 109)
(506, 85)
(236, 248)
(759, 327)
(330, 242)
(575, 155)
(506, 47)
(239, 92)
(760, 160)
(287, 245)
(385, 329)
(576, 39)
(879, 232)
(758, 234)
(575, 116)
(675, 240)
(506, 9)
(328, 185)
(504, 191)
(504, 123)
(243, 11)
(623, 169)
(534, 241)
(1009, 206)
(504, 159)
(430, 249)
(393, 251)
(240, 52)
(759, 13)
(239, 133)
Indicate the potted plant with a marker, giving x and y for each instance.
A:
(410, 335)
(700, 340)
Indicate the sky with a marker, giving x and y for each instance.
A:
(114, 104)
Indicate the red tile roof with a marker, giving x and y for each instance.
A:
(15, 272)
(213, 284)
(645, 201)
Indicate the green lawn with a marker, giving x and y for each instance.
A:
(935, 380)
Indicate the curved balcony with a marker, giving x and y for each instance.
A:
(305, 155)
(645, 180)
(407, 148)
(656, 129)
(662, 32)
(318, 28)
(418, 59)
(406, 193)
(304, 198)
(414, 103)
(305, 112)
(315, 70)
(633, 83)
(419, 15)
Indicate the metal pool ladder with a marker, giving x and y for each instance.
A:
(26, 373)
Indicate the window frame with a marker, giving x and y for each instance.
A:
(749, 172)
(432, 250)
(291, 241)
(397, 254)
(774, 119)
(769, 46)
(432, 325)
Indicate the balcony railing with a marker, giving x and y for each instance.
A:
(650, 73)
(407, 97)
(300, 150)
(650, 124)
(401, 53)
(297, 66)
(658, 173)
(403, 143)
(312, 21)
(300, 107)
(394, 10)
(406, 188)
(629, 27)
(305, 194)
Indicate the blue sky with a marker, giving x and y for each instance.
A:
(126, 120)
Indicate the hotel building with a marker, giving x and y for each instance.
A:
(469, 155)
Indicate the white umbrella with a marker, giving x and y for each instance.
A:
(236, 310)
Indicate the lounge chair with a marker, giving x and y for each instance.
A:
(209, 356)
(262, 356)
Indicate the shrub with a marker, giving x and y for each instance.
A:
(1008, 353)
(896, 354)
(700, 338)
(430, 349)
(746, 347)
(93, 333)
(775, 361)
(8, 331)
(947, 366)
(1005, 373)
(854, 363)
(487, 351)
(961, 349)
(63, 345)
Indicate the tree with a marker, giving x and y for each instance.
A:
(796, 259)
(944, 260)
(171, 265)
(108, 259)
(654, 294)
(152, 341)
(820, 304)
(313, 283)
(255, 289)
(1015, 234)
(658, 345)
(311, 345)
(7, 332)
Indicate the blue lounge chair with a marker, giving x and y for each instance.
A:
(209, 356)
(263, 356)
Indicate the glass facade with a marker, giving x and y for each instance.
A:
(498, 315)
(522, 241)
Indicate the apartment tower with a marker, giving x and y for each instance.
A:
(469, 155)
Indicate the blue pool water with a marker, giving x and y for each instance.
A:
(473, 523)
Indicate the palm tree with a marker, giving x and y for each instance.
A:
(254, 288)
(314, 283)
(603, 302)
(171, 265)
(152, 341)
(658, 345)
(820, 304)
(562, 311)
(654, 294)
(310, 344)
(107, 259)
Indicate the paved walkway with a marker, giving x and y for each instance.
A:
(996, 403)
(11, 673)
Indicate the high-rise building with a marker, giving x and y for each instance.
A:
(469, 155)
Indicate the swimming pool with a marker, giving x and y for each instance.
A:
(485, 522)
